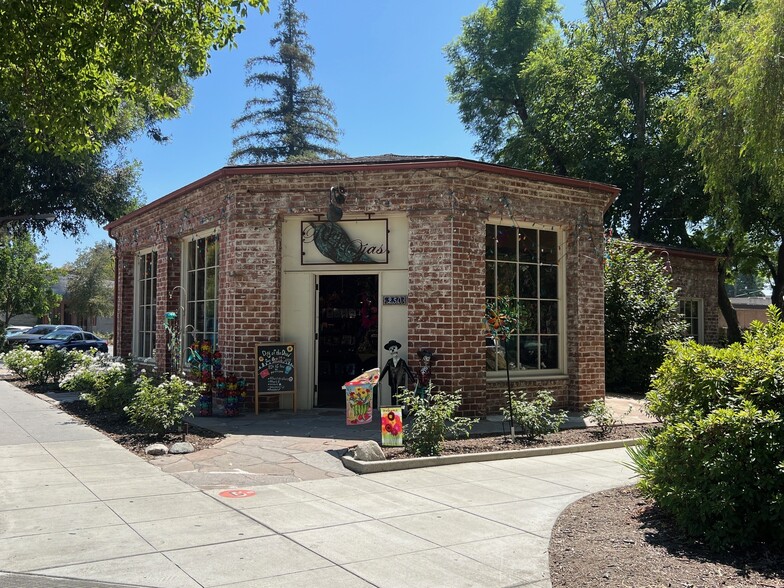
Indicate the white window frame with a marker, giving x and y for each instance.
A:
(145, 311)
(196, 325)
(516, 371)
(699, 337)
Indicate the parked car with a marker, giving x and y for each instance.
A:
(70, 340)
(13, 330)
(37, 332)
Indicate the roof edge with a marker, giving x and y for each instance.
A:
(326, 167)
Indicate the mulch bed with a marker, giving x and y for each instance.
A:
(119, 429)
(617, 538)
(478, 444)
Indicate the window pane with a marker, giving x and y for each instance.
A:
(192, 255)
(490, 242)
(507, 244)
(529, 317)
(529, 352)
(490, 279)
(212, 253)
(549, 352)
(548, 287)
(528, 245)
(528, 281)
(548, 247)
(210, 285)
(507, 280)
(549, 317)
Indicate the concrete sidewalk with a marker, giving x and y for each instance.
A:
(75, 505)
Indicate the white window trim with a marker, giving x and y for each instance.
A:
(135, 340)
(700, 316)
(185, 333)
(539, 374)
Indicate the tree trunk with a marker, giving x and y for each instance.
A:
(638, 191)
(777, 296)
(727, 310)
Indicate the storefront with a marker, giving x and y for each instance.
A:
(342, 257)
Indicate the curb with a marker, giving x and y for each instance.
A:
(392, 465)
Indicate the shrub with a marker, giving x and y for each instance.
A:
(717, 464)
(432, 420)
(535, 418)
(24, 363)
(57, 363)
(105, 383)
(603, 416)
(159, 408)
(640, 315)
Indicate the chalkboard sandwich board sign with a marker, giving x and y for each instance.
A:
(276, 371)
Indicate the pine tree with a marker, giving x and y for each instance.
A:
(296, 121)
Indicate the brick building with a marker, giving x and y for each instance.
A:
(341, 256)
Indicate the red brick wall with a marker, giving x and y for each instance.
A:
(698, 278)
(447, 212)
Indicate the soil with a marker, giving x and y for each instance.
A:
(477, 444)
(119, 429)
(617, 538)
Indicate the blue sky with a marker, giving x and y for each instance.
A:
(381, 63)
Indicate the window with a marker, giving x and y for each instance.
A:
(202, 290)
(691, 312)
(522, 265)
(147, 285)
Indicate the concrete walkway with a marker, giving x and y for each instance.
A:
(76, 509)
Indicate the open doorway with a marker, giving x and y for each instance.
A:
(347, 340)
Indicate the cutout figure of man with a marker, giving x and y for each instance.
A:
(397, 368)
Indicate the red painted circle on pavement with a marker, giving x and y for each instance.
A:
(237, 493)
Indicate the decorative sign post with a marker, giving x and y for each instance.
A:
(392, 426)
(276, 371)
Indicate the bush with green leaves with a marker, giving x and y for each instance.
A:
(160, 407)
(432, 420)
(640, 315)
(604, 418)
(104, 382)
(534, 418)
(718, 463)
(24, 362)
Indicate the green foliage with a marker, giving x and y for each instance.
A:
(24, 363)
(515, 66)
(159, 408)
(26, 280)
(296, 121)
(103, 382)
(603, 417)
(91, 282)
(717, 465)
(640, 315)
(535, 418)
(732, 122)
(432, 420)
(74, 72)
(41, 367)
(74, 189)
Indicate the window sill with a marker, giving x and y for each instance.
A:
(525, 376)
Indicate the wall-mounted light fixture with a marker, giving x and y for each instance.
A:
(337, 197)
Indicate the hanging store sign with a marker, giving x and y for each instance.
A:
(345, 242)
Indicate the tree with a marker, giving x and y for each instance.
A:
(26, 279)
(73, 189)
(640, 315)
(733, 122)
(587, 100)
(72, 72)
(296, 120)
(90, 290)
